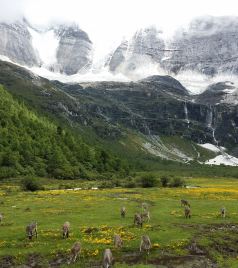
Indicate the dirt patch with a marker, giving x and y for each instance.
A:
(211, 227)
(7, 262)
(190, 261)
(36, 260)
(60, 259)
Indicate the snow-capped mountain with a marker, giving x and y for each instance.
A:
(74, 53)
(209, 45)
(16, 44)
(145, 47)
(200, 55)
(64, 48)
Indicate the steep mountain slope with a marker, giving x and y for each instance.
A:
(208, 46)
(16, 44)
(34, 145)
(137, 117)
(74, 53)
(62, 48)
(145, 47)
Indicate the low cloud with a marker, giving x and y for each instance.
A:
(11, 10)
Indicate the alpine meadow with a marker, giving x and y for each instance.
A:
(118, 134)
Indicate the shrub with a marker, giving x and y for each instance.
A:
(164, 181)
(130, 184)
(31, 184)
(106, 185)
(177, 182)
(148, 180)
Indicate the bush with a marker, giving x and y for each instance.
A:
(164, 181)
(106, 185)
(31, 184)
(177, 182)
(148, 180)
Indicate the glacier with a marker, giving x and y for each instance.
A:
(46, 44)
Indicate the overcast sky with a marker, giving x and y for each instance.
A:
(107, 21)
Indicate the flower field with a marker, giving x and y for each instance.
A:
(95, 218)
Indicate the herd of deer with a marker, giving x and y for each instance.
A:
(139, 219)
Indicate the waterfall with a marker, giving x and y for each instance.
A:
(213, 135)
(147, 129)
(186, 113)
(209, 122)
(209, 118)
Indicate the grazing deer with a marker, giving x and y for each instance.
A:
(138, 220)
(107, 258)
(184, 203)
(223, 212)
(123, 212)
(75, 251)
(145, 244)
(145, 216)
(65, 229)
(187, 212)
(117, 241)
(31, 230)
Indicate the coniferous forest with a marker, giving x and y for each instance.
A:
(33, 145)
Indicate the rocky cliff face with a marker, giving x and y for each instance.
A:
(220, 93)
(208, 46)
(158, 106)
(146, 46)
(15, 43)
(74, 53)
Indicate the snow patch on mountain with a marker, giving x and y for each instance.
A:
(223, 159)
(194, 82)
(90, 76)
(4, 58)
(212, 147)
(155, 146)
(46, 44)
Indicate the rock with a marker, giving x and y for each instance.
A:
(222, 92)
(146, 46)
(208, 46)
(16, 44)
(74, 53)
(167, 81)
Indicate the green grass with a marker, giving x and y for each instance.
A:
(100, 209)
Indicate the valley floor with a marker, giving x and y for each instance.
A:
(94, 216)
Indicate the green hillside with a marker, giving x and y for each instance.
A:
(33, 145)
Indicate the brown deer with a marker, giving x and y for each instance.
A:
(187, 212)
(145, 244)
(223, 212)
(184, 203)
(31, 230)
(123, 212)
(138, 220)
(75, 251)
(65, 229)
(145, 216)
(117, 241)
(107, 258)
